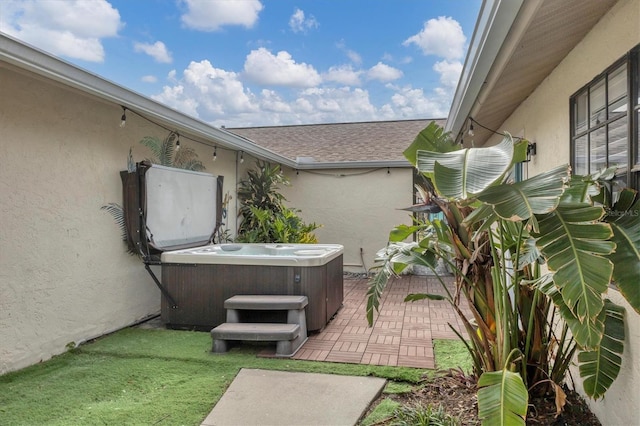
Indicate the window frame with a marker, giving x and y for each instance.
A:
(632, 61)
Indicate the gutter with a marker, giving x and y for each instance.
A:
(499, 29)
(38, 62)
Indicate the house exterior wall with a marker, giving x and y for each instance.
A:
(544, 118)
(356, 208)
(65, 276)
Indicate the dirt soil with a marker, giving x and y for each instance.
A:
(456, 393)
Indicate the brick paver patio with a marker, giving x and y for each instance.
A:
(402, 333)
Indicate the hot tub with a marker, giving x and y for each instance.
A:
(200, 280)
(172, 216)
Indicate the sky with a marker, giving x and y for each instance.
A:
(246, 63)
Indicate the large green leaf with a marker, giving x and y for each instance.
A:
(521, 200)
(502, 398)
(575, 245)
(402, 232)
(588, 334)
(431, 138)
(626, 258)
(467, 172)
(600, 366)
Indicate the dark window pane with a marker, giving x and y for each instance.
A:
(618, 145)
(637, 159)
(618, 92)
(580, 113)
(598, 152)
(597, 104)
(581, 157)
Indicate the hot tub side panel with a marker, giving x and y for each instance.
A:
(201, 289)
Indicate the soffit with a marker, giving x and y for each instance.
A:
(554, 30)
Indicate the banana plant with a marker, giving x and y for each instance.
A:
(524, 253)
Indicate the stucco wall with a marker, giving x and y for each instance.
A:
(356, 208)
(64, 272)
(544, 117)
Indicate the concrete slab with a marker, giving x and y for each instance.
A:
(263, 397)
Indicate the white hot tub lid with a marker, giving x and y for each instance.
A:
(181, 207)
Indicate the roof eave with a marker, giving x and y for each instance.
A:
(36, 61)
(499, 28)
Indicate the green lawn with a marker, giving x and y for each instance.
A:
(146, 377)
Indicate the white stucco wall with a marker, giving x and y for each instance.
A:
(64, 272)
(356, 207)
(544, 119)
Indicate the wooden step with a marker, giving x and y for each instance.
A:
(256, 331)
(266, 302)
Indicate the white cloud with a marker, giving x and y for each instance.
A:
(271, 101)
(220, 98)
(207, 92)
(157, 51)
(207, 15)
(351, 54)
(441, 37)
(343, 74)
(149, 79)
(72, 28)
(262, 67)
(407, 103)
(449, 73)
(299, 24)
(383, 72)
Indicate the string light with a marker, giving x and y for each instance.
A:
(215, 153)
(123, 119)
(241, 157)
(171, 131)
(471, 132)
(472, 121)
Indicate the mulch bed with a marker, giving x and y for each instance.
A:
(456, 393)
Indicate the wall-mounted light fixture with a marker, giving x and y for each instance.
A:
(215, 153)
(531, 150)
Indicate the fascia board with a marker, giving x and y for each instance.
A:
(353, 165)
(495, 20)
(36, 61)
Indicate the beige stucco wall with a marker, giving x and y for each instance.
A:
(544, 118)
(64, 272)
(356, 207)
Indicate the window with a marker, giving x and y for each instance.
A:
(605, 123)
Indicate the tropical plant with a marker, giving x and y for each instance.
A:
(532, 260)
(265, 218)
(167, 152)
(420, 415)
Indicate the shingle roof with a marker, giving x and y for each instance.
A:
(341, 142)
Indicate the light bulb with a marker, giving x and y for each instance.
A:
(123, 119)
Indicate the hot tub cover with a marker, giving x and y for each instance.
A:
(167, 208)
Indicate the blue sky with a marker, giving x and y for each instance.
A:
(242, 63)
